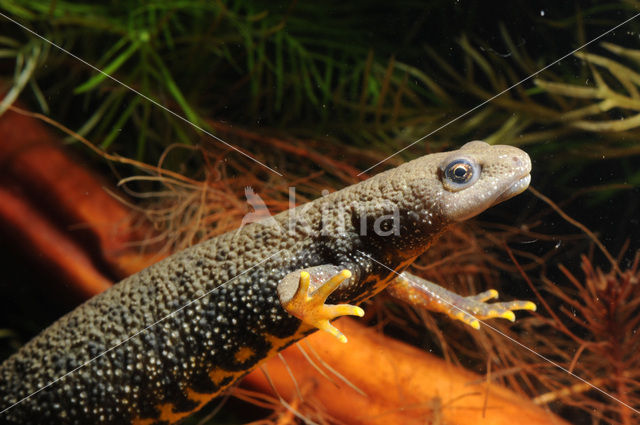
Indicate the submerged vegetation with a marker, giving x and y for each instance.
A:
(595, 333)
(366, 74)
(322, 92)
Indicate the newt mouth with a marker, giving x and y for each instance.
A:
(515, 189)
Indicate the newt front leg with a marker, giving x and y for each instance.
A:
(470, 310)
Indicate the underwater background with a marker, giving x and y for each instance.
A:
(323, 95)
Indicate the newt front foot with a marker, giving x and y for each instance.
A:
(311, 307)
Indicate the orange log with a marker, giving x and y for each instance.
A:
(33, 232)
(66, 192)
(403, 385)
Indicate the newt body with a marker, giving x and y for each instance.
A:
(218, 309)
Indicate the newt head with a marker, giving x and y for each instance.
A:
(479, 176)
(405, 208)
(442, 188)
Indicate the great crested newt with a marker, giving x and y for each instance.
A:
(160, 344)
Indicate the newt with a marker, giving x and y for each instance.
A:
(161, 343)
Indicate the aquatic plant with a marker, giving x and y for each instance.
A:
(594, 318)
(286, 65)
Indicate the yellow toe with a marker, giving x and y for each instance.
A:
(509, 315)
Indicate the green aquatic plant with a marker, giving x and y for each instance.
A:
(364, 74)
(247, 61)
(611, 102)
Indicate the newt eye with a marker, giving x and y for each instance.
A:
(460, 173)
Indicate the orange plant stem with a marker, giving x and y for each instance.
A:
(35, 233)
(403, 385)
